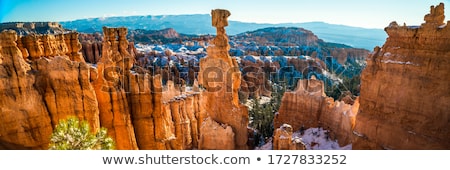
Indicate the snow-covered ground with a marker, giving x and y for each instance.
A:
(267, 146)
(262, 100)
(332, 76)
(314, 139)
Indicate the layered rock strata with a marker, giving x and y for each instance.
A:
(405, 88)
(220, 77)
(113, 69)
(92, 47)
(43, 79)
(308, 106)
(35, 46)
(25, 28)
(40, 84)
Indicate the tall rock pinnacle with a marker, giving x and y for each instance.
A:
(220, 76)
(220, 46)
(436, 16)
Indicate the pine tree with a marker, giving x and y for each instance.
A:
(71, 134)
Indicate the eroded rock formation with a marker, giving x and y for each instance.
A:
(43, 79)
(282, 139)
(113, 69)
(38, 91)
(92, 47)
(405, 88)
(216, 136)
(23, 110)
(163, 117)
(255, 81)
(220, 76)
(308, 106)
(35, 46)
(25, 28)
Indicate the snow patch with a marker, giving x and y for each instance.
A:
(133, 72)
(318, 139)
(358, 134)
(332, 76)
(262, 100)
(398, 62)
(266, 146)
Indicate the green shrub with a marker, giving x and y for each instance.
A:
(71, 134)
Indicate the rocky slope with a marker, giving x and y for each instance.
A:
(405, 88)
(164, 36)
(280, 37)
(45, 78)
(264, 56)
(284, 55)
(308, 106)
(34, 27)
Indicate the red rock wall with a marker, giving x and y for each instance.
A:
(44, 78)
(24, 117)
(215, 136)
(405, 89)
(308, 106)
(46, 85)
(92, 47)
(41, 87)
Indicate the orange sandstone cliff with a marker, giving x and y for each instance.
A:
(42, 79)
(113, 69)
(45, 78)
(308, 106)
(405, 88)
(220, 77)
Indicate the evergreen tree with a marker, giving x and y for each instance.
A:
(71, 134)
(277, 95)
(262, 114)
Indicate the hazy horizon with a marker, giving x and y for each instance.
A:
(348, 12)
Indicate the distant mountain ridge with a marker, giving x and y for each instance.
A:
(201, 24)
(282, 36)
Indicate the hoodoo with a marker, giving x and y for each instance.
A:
(405, 88)
(220, 76)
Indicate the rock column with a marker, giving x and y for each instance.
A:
(220, 76)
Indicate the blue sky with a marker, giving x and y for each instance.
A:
(368, 14)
